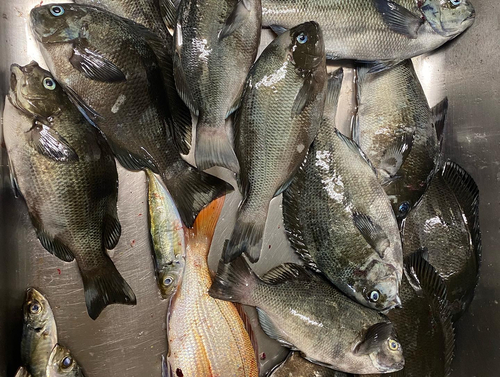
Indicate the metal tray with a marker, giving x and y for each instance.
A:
(128, 341)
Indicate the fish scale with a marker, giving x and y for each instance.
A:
(354, 29)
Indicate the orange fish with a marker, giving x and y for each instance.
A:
(206, 336)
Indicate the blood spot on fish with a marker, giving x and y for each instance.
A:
(59, 271)
(263, 356)
(178, 372)
(140, 214)
(269, 246)
(132, 243)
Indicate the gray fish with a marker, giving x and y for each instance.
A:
(339, 219)
(167, 235)
(424, 322)
(216, 43)
(278, 118)
(107, 67)
(67, 174)
(296, 366)
(39, 333)
(304, 312)
(398, 132)
(445, 222)
(147, 13)
(375, 30)
(62, 363)
(22, 372)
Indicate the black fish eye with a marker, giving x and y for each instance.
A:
(168, 281)
(374, 296)
(301, 38)
(49, 84)
(404, 208)
(66, 362)
(35, 308)
(57, 10)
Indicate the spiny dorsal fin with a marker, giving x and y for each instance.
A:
(286, 272)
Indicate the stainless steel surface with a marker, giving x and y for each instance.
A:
(128, 341)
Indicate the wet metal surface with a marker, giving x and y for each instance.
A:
(128, 341)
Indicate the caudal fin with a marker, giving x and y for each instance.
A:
(234, 281)
(105, 286)
(246, 238)
(213, 148)
(192, 190)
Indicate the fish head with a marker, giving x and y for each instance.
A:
(448, 18)
(59, 23)
(34, 91)
(62, 363)
(379, 287)
(169, 279)
(307, 46)
(381, 344)
(37, 312)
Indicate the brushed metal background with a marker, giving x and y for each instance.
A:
(128, 341)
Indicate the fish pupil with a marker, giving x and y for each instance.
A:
(302, 38)
(66, 362)
(57, 10)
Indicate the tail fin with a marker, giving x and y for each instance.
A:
(104, 286)
(234, 282)
(204, 225)
(213, 148)
(246, 237)
(193, 190)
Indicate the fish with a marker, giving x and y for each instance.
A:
(339, 220)
(296, 366)
(424, 321)
(62, 363)
(66, 173)
(22, 372)
(303, 311)
(216, 43)
(381, 31)
(278, 118)
(105, 64)
(39, 333)
(206, 336)
(445, 223)
(167, 236)
(147, 13)
(398, 132)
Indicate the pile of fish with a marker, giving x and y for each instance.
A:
(387, 227)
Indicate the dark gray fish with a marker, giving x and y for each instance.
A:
(63, 364)
(339, 219)
(398, 131)
(216, 43)
(384, 31)
(303, 311)
(39, 333)
(424, 322)
(106, 65)
(278, 118)
(296, 366)
(445, 222)
(147, 13)
(67, 175)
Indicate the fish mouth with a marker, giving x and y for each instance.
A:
(16, 75)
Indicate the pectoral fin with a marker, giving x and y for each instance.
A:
(235, 20)
(49, 143)
(372, 233)
(399, 19)
(94, 65)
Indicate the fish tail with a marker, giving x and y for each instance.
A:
(234, 282)
(246, 238)
(213, 148)
(192, 190)
(104, 286)
(205, 223)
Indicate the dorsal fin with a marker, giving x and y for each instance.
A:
(285, 272)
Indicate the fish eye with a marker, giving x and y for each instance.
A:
(404, 208)
(393, 345)
(168, 280)
(49, 84)
(374, 296)
(57, 10)
(455, 2)
(35, 308)
(66, 362)
(301, 38)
